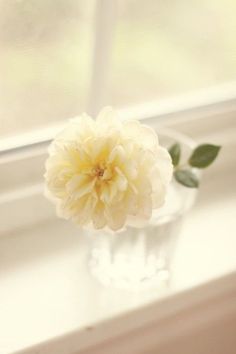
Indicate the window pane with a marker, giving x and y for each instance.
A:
(166, 48)
(45, 49)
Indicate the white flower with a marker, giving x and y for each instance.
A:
(107, 173)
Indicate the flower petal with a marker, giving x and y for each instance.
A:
(141, 133)
(116, 216)
(107, 120)
(164, 165)
(99, 220)
(80, 185)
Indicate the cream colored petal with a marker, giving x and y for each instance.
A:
(84, 211)
(80, 185)
(120, 180)
(70, 155)
(83, 126)
(57, 191)
(56, 181)
(164, 165)
(142, 134)
(147, 159)
(145, 207)
(99, 220)
(107, 174)
(117, 155)
(109, 192)
(65, 208)
(158, 190)
(84, 121)
(76, 182)
(124, 165)
(116, 217)
(77, 127)
(107, 120)
(105, 195)
(143, 215)
(131, 202)
(113, 189)
(56, 161)
(143, 184)
(130, 170)
(98, 150)
(106, 115)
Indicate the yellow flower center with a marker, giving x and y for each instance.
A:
(98, 171)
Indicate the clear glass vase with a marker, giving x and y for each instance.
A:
(139, 258)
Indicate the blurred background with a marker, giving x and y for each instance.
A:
(59, 58)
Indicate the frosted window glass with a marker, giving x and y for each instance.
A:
(45, 55)
(165, 48)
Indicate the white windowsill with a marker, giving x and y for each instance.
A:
(49, 304)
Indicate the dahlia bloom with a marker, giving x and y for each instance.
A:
(107, 173)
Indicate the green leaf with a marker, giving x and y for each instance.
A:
(187, 178)
(175, 152)
(203, 155)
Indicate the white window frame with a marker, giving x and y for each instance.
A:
(216, 101)
(104, 26)
(201, 103)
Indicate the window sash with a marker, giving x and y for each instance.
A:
(202, 103)
(216, 101)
